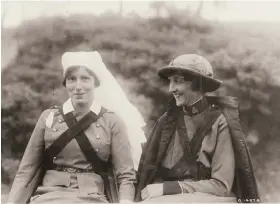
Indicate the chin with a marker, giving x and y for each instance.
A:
(79, 101)
(180, 103)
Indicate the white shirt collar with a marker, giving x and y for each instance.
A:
(68, 107)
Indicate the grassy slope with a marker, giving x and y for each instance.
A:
(269, 183)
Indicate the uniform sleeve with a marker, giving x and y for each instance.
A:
(31, 158)
(223, 167)
(122, 160)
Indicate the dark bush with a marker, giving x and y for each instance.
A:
(133, 49)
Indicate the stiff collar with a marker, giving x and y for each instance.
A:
(197, 107)
(68, 107)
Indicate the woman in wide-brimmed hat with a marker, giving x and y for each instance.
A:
(80, 152)
(190, 154)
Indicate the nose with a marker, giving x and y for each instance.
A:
(172, 87)
(78, 86)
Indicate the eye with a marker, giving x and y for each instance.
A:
(85, 78)
(178, 80)
(71, 79)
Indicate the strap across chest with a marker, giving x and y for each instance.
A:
(75, 131)
(81, 138)
(191, 148)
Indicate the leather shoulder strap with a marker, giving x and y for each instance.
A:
(84, 143)
(71, 133)
(100, 167)
(192, 148)
(188, 154)
(64, 139)
(210, 119)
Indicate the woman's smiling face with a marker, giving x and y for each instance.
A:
(182, 90)
(80, 85)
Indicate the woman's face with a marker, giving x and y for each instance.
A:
(80, 86)
(181, 90)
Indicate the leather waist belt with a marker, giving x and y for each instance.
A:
(71, 169)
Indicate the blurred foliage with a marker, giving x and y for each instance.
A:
(133, 48)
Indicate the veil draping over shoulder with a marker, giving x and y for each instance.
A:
(111, 96)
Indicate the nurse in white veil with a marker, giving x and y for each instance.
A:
(68, 176)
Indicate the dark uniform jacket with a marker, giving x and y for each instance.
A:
(243, 184)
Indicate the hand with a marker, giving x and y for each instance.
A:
(152, 190)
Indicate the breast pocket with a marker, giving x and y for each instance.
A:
(56, 178)
(100, 141)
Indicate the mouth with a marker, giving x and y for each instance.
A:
(79, 95)
(177, 96)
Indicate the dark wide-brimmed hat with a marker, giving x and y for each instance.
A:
(192, 66)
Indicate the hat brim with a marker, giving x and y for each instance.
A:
(209, 84)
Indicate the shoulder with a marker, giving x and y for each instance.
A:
(110, 115)
(221, 121)
(46, 113)
(113, 119)
(162, 118)
(54, 109)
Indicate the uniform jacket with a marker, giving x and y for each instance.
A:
(244, 184)
(107, 136)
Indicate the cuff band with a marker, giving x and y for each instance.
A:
(171, 187)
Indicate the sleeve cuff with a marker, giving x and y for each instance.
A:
(127, 192)
(171, 187)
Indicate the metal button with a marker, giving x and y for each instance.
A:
(97, 125)
(60, 121)
(54, 129)
(98, 137)
(97, 150)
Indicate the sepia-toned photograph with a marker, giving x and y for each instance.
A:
(140, 101)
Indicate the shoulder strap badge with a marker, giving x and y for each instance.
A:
(49, 120)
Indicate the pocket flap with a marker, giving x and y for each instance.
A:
(56, 178)
(90, 183)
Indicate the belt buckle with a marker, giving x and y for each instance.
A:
(71, 170)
